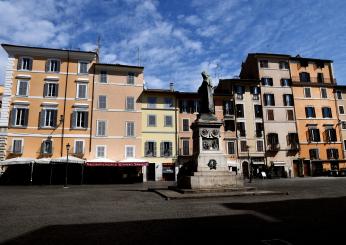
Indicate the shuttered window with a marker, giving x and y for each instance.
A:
(53, 65)
(102, 102)
(130, 103)
(130, 129)
(269, 100)
(130, 151)
(24, 63)
(231, 147)
(101, 128)
(82, 91)
(131, 78)
(79, 147)
(47, 147)
(48, 118)
(79, 119)
(150, 149)
(83, 67)
(151, 121)
(22, 87)
(51, 90)
(19, 117)
(270, 115)
(166, 149)
(186, 147)
(17, 146)
(103, 77)
(100, 151)
(168, 121)
(290, 115)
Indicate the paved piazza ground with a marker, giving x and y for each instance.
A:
(314, 211)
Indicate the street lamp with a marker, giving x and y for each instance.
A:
(249, 163)
(66, 165)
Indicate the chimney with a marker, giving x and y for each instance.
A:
(171, 86)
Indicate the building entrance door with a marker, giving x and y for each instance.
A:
(151, 172)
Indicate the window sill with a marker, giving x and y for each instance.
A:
(78, 128)
(18, 126)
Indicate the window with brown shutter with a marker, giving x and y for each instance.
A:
(290, 115)
(270, 114)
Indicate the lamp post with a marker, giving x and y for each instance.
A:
(249, 163)
(66, 166)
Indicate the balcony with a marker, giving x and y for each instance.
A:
(273, 147)
(326, 80)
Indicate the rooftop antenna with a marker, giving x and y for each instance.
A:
(138, 57)
(217, 71)
(98, 45)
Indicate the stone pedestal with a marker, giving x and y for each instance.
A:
(208, 168)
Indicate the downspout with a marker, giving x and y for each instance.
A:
(64, 111)
(92, 109)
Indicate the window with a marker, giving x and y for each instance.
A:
(259, 129)
(129, 151)
(79, 147)
(48, 118)
(320, 78)
(270, 115)
(25, 64)
(293, 140)
(168, 121)
(273, 141)
(260, 145)
(53, 65)
(186, 125)
(131, 78)
(330, 135)
(304, 77)
(286, 82)
(314, 135)
(314, 154)
(130, 129)
(130, 103)
(166, 149)
(239, 90)
(332, 154)
(186, 148)
(17, 146)
(151, 120)
(79, 119)
(241, 129)
(344, 145)
(168, 103)
(324, 93)
(269, 100)
(19, 117)
(103, 77)
(339, 95)
(310, 112)
(283, 65)
(100, 151)
(343, 124)
(47, 147)
(326, 112)
(240, 110)
(243, 146)
(258, 111)
(267, 81)
(231, 147)
(102, 102)
(290, 115)
(22, 88)
(307, 93)
(229, 125)
(304, 63)
(152, 102)
(83, 67)
(264, 63)
(228, 107)
(196, 106)
(341, 109)
(82, 90)
(255, 91)
(101, 128)
(150, 149)
(288, 100)
(51, 89)
(183, 106)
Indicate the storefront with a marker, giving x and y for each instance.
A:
(168, 171)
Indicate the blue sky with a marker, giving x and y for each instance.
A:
(178, 39)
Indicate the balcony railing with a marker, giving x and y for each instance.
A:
(296, 79)
(273, 147)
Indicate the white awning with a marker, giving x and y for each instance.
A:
(258, 163)
(17, 160)
(71, 159)
(279, 163)
(232, 163)
(43, 160)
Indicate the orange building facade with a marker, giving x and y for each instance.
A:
(316, 116)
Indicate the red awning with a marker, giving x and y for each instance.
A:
(116, 164)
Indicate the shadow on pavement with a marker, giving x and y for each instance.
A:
(282, 222)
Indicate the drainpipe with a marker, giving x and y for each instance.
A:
(92, 108)
(64, 111)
